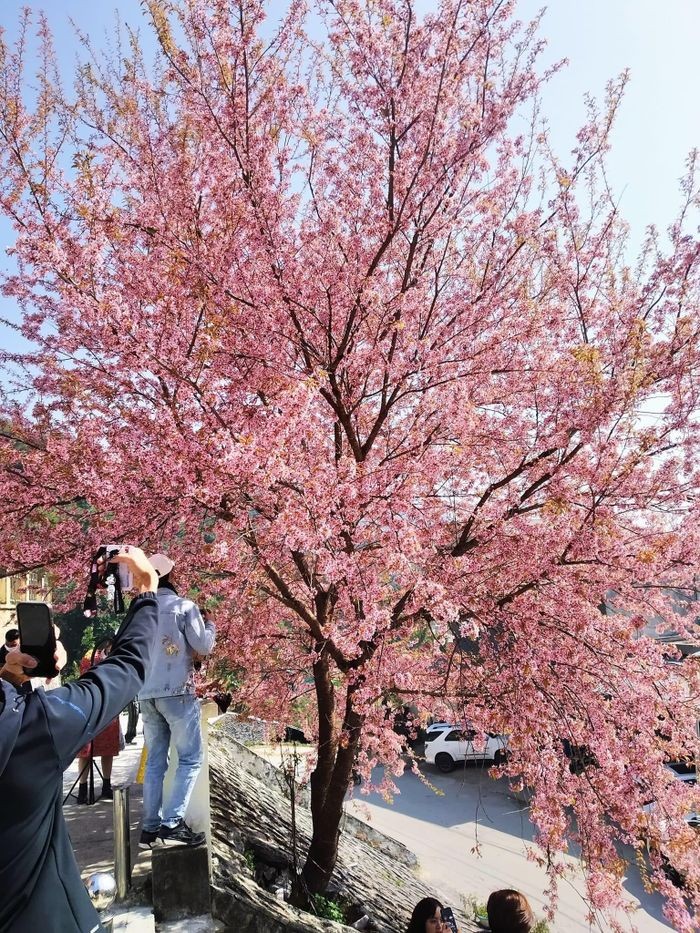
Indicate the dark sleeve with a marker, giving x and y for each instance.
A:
(77, 712)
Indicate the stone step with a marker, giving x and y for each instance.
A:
(141, 920)
(132, 920)
(180, 883)
(205, 924)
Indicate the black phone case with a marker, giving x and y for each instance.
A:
(46, 666)
(449, 917)
(46, 662)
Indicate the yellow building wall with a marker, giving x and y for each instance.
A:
(33, 585)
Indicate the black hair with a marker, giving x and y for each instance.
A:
(423, 911)
(12, 634)
(164, 583)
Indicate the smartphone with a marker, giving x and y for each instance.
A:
(448, 917)
(36, 637)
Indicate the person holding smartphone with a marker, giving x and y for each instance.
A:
(429, 916)
(40, 734)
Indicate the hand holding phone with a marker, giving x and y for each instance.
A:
(37, 638)
(448, 919)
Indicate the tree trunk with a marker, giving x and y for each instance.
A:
(328, 790)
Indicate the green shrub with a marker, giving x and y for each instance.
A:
(328, 909)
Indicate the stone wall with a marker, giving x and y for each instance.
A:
(385, 844)
(257, 766)
(251, 812)
(269, 773)
(249, 730)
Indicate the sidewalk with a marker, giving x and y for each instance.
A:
(92, 835)
(91, 827)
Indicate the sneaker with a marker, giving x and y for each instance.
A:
(180, 835)
(148, 839)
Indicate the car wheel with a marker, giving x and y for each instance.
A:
(445, 762)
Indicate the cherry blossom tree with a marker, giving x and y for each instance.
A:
(315, 306)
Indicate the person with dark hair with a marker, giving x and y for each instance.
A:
(11, 642)
(40, 733)
(427, 917)
(509, 912)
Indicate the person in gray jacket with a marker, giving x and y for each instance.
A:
(170, 712)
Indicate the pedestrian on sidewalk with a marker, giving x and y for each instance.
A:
(170, 712)
(11, 643)
(40, 733)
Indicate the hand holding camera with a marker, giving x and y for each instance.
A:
(41, 654)
(117, 567)
(142, 571)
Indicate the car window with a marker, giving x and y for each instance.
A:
(434, 734)
(682, 767)
(461, 735)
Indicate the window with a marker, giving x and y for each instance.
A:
(461, 735)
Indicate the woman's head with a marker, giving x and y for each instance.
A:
(426, 917)
(509, 912)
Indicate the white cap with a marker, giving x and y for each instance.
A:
(161, 564)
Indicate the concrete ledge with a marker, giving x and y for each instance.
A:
(180, 882)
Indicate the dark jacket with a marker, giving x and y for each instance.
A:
(40, 733)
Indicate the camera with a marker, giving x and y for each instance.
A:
(126, 580)
(109, 575)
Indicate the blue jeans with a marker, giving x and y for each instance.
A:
(165, 718)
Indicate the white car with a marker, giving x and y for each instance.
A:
(686, 772)
(437, 727)
(445, 747)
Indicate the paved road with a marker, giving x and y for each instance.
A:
(473, 811)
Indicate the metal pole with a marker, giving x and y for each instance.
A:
(122, 841)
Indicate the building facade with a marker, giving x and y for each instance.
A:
(29, 586)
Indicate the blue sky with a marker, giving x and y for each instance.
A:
(660, 118)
